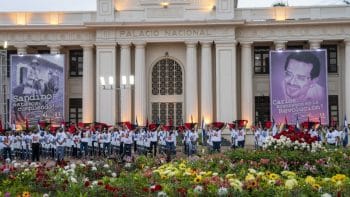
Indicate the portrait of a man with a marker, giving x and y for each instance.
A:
(302, 72)
(298, 85)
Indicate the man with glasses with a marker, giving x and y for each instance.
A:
(301, 75)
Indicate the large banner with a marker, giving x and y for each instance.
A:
(37, 89)
(298, 86)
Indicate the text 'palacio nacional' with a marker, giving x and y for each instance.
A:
(178, 59)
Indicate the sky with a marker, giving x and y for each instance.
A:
(90, 5)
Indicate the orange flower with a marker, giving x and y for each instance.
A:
(26, 194)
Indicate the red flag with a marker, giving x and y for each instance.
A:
(232, 126)
(1, 129)
(332, 122)
(285, 120)
(170, 122)
(27, 124)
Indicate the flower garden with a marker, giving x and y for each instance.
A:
(233, 173)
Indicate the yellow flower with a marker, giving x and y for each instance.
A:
(310, 180)
(338, 177)
(252, 171)
(163, 176)
(291, 183)
(273, 176)
(316, 186)
(198, 179)
(182, 166)
(288, 174)
(228, 176)
(209, 173)
(26, 194)
(236, 184)
(249, 177)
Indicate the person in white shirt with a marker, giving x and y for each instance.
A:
(154, 141)
(187, 142)
(106, 142)
(216, 139)
(194, 140)
(257, 134)
(6, 143)
(170, 142)
(127, 140)
(241, 137)
(35, 138)
(84, 138)
(60, 140)
(162, 143)
(331, 137)
(76, 139)
(263, 136)
(234, 135)
(135, 138)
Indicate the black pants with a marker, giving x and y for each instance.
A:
(7, 151)
(121, 148)
(35, 151)
(135, 146)
(154, 147)
(216, 146)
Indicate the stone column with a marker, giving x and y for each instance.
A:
(125, 91)
(54, 49)
(347, 78)
(191, 95)
(226, 85)
(315, 44)
(88, 84)
(280, 45)
(206, 83)
(106, 97)
(140, 83)
(247, 96)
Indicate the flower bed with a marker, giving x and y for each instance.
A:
(293, 140)
(235, 173)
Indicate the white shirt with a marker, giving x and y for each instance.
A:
(241, 135)
(35, 137)
(216, 136)
(60, 138)
(153, 136)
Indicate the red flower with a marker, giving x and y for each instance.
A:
(145, 189)
(87, 184)
(99, 183)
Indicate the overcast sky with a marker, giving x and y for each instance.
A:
(90, 5)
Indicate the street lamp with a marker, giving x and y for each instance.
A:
(124, 82)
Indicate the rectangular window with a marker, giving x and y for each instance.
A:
(332, 54)
(76, 63)
(75, 110)
(166, 112)
(333, 110)
(261, 59)
(9, 53)
(262, 109)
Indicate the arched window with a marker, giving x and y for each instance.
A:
(167, 91)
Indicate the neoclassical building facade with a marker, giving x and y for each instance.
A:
(191, 59)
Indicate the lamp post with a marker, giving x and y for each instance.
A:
(124, 83)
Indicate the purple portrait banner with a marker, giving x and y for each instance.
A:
(299, 86)
(37, 89)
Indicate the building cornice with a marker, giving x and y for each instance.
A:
(42, 27)
(296, 22)
(164, 24)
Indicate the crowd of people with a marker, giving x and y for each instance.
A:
(124, 142)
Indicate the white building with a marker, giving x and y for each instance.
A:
(190, 58)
